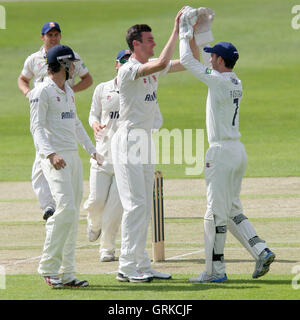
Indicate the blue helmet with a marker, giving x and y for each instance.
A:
(62, 55)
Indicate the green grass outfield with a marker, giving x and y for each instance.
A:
(105, 287)
(261, 30)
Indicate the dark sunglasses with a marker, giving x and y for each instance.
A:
(123, 60)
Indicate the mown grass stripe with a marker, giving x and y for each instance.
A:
(186, 197)
(167, 220)
(169, 245)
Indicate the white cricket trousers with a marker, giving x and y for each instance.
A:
(103, 205)
(135, 185)
(225, 165)
(40, 185)
(66, 186)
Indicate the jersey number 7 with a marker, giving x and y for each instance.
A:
(236, 102)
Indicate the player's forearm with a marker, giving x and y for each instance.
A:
(187, 58)
(169, 49)
(83, 84)
(23, 85)
(195, 49)
(42, 142)
(83, 138)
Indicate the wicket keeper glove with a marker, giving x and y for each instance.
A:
(191, 13)
(202, 29)
(185, 28)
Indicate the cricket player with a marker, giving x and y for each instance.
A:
(138, 83)
(35, 69)
(103, 204)
(57, 130)
(226, 159)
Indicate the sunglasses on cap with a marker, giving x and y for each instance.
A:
(123, 60)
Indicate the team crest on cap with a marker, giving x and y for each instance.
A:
(51, 24)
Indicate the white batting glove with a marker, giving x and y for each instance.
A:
(202, 29)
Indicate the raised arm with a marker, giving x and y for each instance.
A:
(166, 54)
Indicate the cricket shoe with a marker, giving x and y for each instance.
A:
(75, 283)
(204, 277)
(158, 275)
(54, 282)
(107, 257)
(93, 235)
(134, 278)
(262, 265)
(48, 213)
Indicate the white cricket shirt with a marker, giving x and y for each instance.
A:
(53, 120)
(105, 110)
(35, 67)
(138, 97)
(223, 100)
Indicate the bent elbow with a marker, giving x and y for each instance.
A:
(184, 60)
(163, 63)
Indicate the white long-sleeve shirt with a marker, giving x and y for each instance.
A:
(138, 97)
(105, 110)
(53, 120)
(35, 68)
(223, 100)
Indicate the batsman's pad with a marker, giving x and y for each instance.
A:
(243, 230)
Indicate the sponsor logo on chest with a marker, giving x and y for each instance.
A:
(68, 115)
(150, 97)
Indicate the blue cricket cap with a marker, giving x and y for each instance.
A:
(224, 49)
(49, 26)
(123, 53)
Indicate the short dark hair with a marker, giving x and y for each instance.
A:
(135, 33)
(54, 67)
(228, 63)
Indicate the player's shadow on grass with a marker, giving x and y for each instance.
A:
(166, 288)
(176, 285)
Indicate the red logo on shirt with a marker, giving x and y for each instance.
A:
(58, 99)
(108, 97)
(145, 80)
(154, 77)
(73, 99)
(207, 165)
